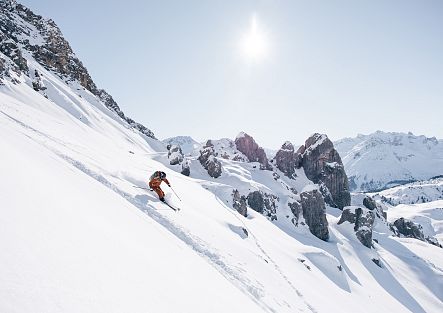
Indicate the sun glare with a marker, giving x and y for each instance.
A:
(254, 43)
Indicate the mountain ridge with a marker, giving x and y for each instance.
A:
(25, 34)
(381, 160)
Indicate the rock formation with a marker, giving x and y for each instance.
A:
(239, 203)
(48, 47)
(410, 229)
(323, 165)
(314, 213)
(363, 221)
(209, 161)
(175, 154)
(247, 145)
(263, 203)
(287, 159)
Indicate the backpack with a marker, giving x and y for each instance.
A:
(157, 174)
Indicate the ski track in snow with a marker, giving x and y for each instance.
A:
(276, 267)
(197, 244)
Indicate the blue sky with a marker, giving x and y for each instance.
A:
(336, 67)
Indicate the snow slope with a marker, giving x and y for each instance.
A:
(421, 202)
(382, 160)
(429, 215)
(77, 236)
(416, 192)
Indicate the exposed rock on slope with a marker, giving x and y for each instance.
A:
(247, 145)
(175, 154)
(323, 165)
(239, 203)
(314, 213)
(363, 221)
(263, 203)
(209, 161)
(287, 159)
(410, 229)
(24, 34)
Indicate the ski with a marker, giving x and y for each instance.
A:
(175, 209)
(149, 189)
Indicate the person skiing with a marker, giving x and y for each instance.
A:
(154, 183)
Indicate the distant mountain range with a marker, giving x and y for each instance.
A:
(382, 160)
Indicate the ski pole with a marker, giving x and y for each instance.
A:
(175, 193)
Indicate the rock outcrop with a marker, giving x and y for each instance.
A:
(209, 161)
(296, 210)
(363, 221)
(263, 203)
(186, 168)
(247, 145)
(369, 203)
(288, 160)
(175, 154)
(24, 33)
(323, 165)
(239, 203)
(410, 229)
(314, 213)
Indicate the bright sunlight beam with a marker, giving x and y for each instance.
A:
(254, 44)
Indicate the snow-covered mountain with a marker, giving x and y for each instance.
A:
(382, 160)
(78, 233)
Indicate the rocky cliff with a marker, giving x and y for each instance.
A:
(25, 35)
(323, 165)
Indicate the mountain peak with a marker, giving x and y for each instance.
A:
(26, 37)
(383, 159)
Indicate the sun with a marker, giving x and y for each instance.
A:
(254, 43)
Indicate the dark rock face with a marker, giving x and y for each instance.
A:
(314, 213)
(288, 160)
(256, 201)
(296, 210)
(54, 52)
(247, 145)
(37, 83)
(410, 229)
(209, 161)
(370, 203)
(378, 262)
(186, 169)
(175, 154)
(239, 203)
(323, 165)
(10, 49)
(263, 203)
(363, 221)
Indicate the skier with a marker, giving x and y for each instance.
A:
(154, 183)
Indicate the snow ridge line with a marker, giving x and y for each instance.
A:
(197, 244)
(259, 246)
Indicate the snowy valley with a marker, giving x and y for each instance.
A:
(80, 231)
